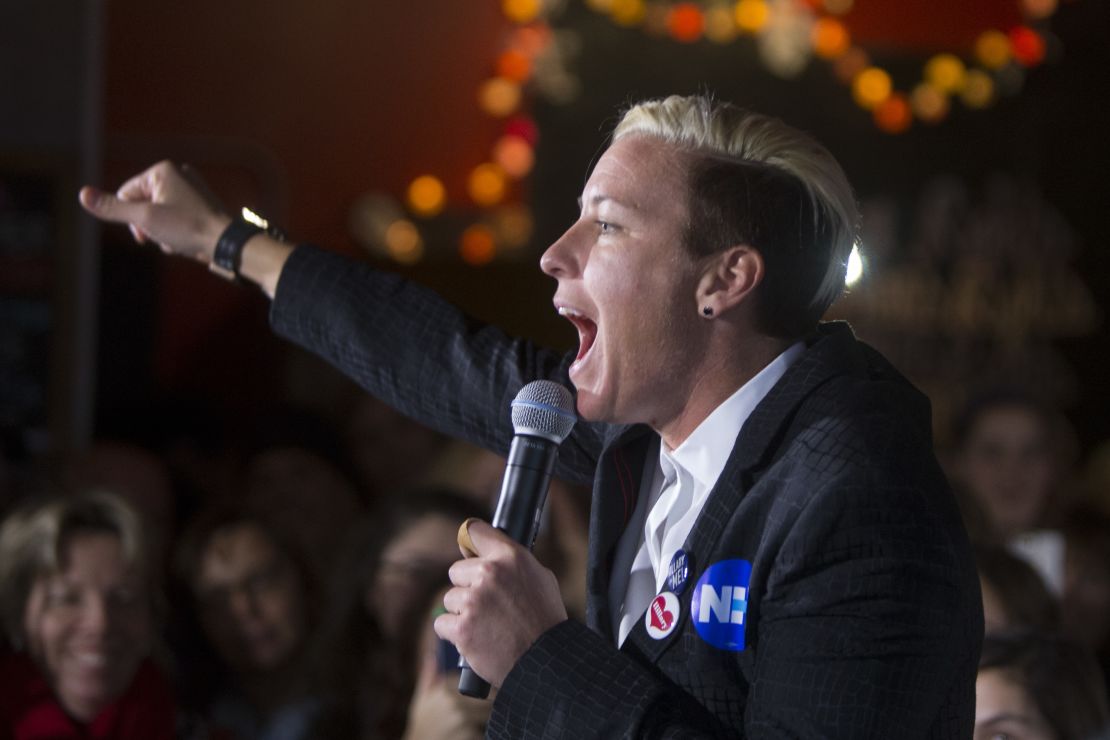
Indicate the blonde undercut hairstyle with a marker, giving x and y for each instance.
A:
(759, 182)
(34, 540)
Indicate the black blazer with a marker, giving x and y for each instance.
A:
(862, 614)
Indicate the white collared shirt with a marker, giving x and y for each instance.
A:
(665, 513)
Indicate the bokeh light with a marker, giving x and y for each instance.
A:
(627, 12)
(871, 87)
(978, 91)
(523, 127)
(685, 22)
(1039, 9)
(893, 115)
(514, 155)
(830, 38)
(752, 15)
(476, 245)
(531, 39)
(945, 72)
(720, 24)
(426, 195)
(369, 217)
(838, 7)
(521, 11)
(514, 65)
(1027, 45)
(404, 242)
(992, 49)
(486, 184)
(499, 97)
(849, 65)
(928, 103)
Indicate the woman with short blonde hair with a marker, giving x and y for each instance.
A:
(78, 606)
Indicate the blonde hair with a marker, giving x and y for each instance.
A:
(33, 542)
(763, 183)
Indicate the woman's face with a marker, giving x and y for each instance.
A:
(1007, 466)
(89, 626)
(415, 561)
(252, 601)
(1004, 709)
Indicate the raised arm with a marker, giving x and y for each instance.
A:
(400, 341)
(173, 207)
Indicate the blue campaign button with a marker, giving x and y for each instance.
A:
(719, 605)
(678, 573)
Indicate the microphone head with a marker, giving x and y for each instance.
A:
(544, 409)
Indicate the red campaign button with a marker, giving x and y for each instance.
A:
(662, 615)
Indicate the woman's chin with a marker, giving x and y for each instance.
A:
(85, 699)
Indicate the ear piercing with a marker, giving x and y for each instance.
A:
(707, 311)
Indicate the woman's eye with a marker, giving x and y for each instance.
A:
(605, 227)
(63, 597)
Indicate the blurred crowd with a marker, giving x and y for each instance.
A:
(276, 578)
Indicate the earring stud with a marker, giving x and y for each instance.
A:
(707, 311)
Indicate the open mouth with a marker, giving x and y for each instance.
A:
(587, 330)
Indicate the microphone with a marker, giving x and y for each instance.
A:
(543, 415)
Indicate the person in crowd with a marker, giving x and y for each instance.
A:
(1039, 687)
(1010, 463)
(773, 547)
(1014, 595)
(397, 560)
(78, 600)
(254, 599)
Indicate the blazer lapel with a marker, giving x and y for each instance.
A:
(762, 435)
(616, 487)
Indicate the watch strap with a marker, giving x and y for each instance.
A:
(228, 256)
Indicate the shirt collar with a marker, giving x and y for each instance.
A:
(704, 453)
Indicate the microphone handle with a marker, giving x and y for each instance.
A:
(519, 506)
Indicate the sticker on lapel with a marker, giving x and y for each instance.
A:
(678, 573)
(661, 615)
(719, 605)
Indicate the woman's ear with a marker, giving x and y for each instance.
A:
(729, 278)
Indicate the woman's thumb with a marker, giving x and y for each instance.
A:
(107, 206)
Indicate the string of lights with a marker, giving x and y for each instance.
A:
(787, 33)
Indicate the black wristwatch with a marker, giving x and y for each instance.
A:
(228, 256)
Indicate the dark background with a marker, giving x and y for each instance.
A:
(299, 108)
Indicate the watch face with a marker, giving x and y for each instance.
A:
(262, 222)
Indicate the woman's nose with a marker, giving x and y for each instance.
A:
(561, 258)
(95, 617)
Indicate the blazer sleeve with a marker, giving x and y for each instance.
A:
(573, 683)
(415, 351)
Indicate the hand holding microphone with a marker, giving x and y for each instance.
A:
(504, 599)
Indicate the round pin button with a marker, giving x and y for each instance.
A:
(662, 615)
(678, 572)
